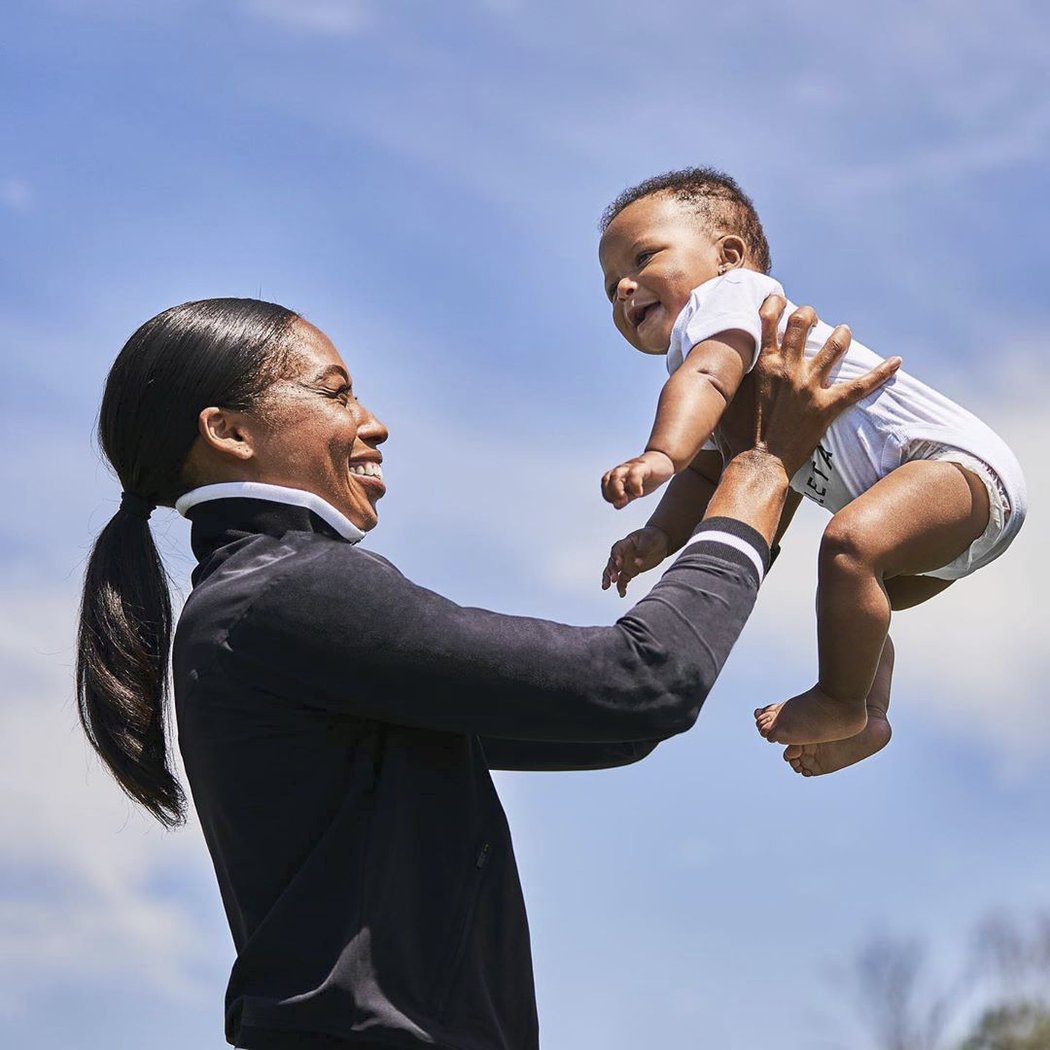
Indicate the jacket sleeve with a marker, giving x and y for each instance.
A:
(556, 756)
(342, 630)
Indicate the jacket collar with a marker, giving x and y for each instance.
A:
(223, 514)
(257, 490)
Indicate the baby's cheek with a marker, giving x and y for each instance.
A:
(664, 335)
(621, 325)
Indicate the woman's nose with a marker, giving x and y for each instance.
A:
(371, 429)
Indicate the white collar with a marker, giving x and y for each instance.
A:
(276, 494)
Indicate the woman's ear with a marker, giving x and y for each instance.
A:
(227, 431)
(731, 252)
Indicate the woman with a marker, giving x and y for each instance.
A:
(338, 722)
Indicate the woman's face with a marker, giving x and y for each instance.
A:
(315, 435)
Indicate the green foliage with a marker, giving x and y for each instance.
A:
(1012, 1026)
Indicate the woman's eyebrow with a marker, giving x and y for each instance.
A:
(331, 370)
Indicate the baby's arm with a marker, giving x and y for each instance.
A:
(680, 510)
(691, 404)
(791, 504)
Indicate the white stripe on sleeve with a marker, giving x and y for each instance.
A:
(727, 538)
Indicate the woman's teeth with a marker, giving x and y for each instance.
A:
(372, 470)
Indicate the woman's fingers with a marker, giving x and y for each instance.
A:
(770, 312)
(825, 359)
(855, 390)
(799, 325)
(794, 405)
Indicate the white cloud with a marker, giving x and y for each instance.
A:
(914, 66)
(1021, 136)
(17, 194)
(338, 17)
(85, 863)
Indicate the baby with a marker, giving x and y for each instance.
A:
(921, 491)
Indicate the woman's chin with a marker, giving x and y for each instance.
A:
(366, 517)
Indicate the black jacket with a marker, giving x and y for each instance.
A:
(338, 724)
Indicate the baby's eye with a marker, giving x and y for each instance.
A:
(643, 257)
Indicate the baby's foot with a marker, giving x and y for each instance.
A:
(814, 760)
(812, 717)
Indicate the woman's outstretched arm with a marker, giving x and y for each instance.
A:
(347, 632)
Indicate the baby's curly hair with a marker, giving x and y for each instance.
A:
(715, 197)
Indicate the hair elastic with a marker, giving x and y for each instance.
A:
(139, 506)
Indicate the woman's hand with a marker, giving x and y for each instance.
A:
(776, 420)
(788, 402)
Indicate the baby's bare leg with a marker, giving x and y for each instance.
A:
(908, 591)
(813, 760)
(915, 520)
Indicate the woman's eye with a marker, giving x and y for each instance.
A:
(343, 394)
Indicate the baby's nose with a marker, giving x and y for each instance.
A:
(625, 288)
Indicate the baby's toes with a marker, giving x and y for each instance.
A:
(766, 718)
(809, 765)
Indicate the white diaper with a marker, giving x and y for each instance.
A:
(1005, 516)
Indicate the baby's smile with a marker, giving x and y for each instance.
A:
(638, 313)
(653, 254)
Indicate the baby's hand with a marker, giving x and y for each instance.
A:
(642, 550)
(637, 477)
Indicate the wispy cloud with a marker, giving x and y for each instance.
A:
(1011, 128)
(78, 909)
(336, 17)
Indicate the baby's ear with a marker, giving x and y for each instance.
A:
(731, 251)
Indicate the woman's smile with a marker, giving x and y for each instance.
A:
(369, 475)
(323, 439)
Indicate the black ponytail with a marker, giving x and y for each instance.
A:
(222, 352)
(122, 681)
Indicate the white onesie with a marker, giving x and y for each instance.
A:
(903, 420)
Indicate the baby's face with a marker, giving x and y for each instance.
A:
(653, 254)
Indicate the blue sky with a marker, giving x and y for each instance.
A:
(423, 182)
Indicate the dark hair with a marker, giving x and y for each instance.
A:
(222, 352)
(714, 196)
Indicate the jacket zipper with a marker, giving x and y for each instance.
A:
(454, 965)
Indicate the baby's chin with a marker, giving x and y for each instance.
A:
(660, 343)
